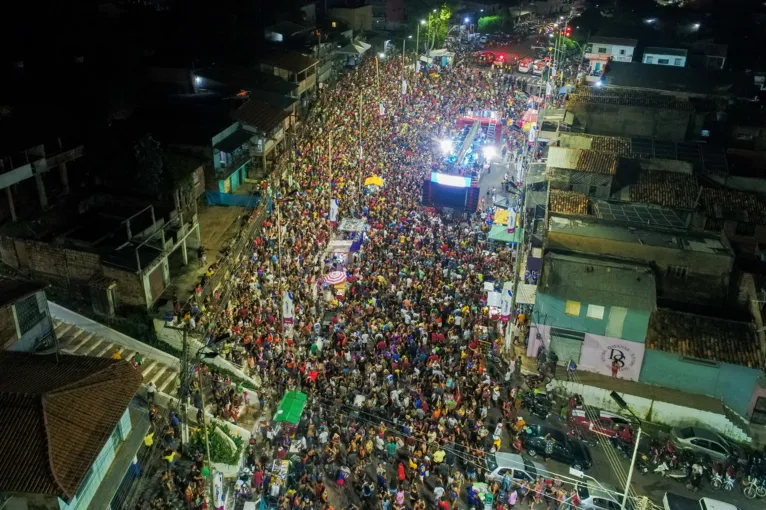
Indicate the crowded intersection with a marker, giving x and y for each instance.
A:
(405, 408)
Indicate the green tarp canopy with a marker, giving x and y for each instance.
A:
(291, 407)
(500, 234)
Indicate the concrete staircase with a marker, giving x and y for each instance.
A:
(77, 341)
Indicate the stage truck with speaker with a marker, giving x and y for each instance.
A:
(464, 157)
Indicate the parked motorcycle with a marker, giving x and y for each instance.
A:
(537, 404)
(665, 471)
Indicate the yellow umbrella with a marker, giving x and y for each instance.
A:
(373, 180)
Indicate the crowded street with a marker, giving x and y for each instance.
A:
(414, 398)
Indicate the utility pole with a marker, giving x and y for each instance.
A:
(404, 42)
(329, 150)
(359, 122)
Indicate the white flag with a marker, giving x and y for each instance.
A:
(288, 308)
(382, 109)
(505, 304)
(404, 87)
(333, 209)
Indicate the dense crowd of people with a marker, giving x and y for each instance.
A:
(403, 405)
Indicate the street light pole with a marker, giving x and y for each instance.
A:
(632, 466)
(624, 405)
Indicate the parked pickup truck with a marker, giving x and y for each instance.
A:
(675, 502)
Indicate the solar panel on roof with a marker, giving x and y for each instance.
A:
(637, 213)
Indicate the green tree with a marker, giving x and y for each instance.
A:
(495, 23)
(437, 25)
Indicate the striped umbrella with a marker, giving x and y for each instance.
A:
(335, 277)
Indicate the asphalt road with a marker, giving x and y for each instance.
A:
(607, 463)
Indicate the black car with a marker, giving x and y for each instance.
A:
(536, 438)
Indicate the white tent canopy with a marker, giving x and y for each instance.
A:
(443, 52)
(354, 48)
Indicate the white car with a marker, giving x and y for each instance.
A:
(483, 39)
(520, 468)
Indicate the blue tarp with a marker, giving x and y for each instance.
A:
(216, 198)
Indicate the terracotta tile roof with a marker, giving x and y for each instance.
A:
(668, 189)
(260, 115)
(569, 202)
(703, 337)
(56, 417)
(597, 162)
(734, 205)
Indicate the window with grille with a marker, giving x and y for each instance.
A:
(677, 271)
(28, 313)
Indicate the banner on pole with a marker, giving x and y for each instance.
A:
(218, 502)
(333, 209)
(382, 110)
(505, 301)
(404, 87)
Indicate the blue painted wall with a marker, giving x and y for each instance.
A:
(734, 384)
(634, 327)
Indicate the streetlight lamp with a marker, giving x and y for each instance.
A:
(417, 38)
(623, 405)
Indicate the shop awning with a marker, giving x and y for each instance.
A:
(291, 407)
(355, 48)
(500, 234)
(443, 52)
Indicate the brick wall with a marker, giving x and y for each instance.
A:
(47, 262)
(7, 327)
(129, 289)
(8, 252)
(82, 265)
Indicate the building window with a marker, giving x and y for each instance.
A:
(602, 49)
(573, 308)
(622, 52)
(595, 312)
(745, 229)
(663, 61)
(28, 313)
(676, 271)
(677, 62)
(713, 224)
(649, 60)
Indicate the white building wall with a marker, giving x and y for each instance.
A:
(656, 411)
(664, 60)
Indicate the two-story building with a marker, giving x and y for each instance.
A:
(69, 432)
(707, 356)
(665, 56)
(691, 267)
(269, 125)
(359, 18)
(616, 48)
(593, 311)
(295, 68)
(585, 171)
(741, 216)
(25, 321)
